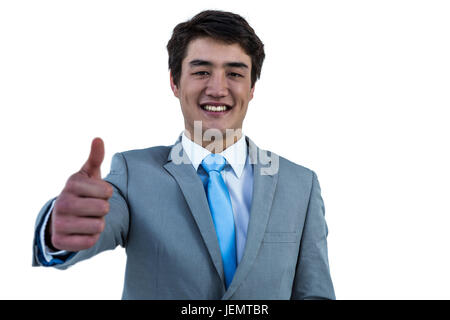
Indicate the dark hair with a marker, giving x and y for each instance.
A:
(220, 25)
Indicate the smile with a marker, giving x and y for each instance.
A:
(215, 108)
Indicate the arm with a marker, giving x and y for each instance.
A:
(313, 279)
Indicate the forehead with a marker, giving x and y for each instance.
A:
(215, 51)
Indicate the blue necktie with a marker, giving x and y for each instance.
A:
(222, 213)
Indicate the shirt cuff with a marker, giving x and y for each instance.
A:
(46, 251)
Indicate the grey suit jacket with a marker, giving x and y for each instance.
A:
(159, 212)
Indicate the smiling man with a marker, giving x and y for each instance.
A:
(212, 216)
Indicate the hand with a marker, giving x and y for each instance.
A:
(77, 219)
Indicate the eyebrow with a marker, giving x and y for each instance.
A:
(198, 62)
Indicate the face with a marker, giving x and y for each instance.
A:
(215, 85)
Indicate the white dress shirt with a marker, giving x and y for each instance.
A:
(238, 177)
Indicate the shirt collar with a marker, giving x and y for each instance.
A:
(236, 154)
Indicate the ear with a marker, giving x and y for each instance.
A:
(173, 86)
(252, 90)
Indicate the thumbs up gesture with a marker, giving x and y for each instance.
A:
(77, 219)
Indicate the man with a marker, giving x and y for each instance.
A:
(211, 217)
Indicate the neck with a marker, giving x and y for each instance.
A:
(215, 142)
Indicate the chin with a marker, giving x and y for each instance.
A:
(213, 129)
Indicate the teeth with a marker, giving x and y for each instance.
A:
(215, 108)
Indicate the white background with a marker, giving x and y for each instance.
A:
(358, 91)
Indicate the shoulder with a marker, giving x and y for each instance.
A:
(291, 166)
(296, 175)
(300, 170)
(298, 180)
(286, 168)
(156, 156)
(273, 163)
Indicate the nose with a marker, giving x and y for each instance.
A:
(217, 85)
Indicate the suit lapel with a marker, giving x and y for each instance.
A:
(264, 185)
(180, 167)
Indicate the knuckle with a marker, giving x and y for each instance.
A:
(74, 183)
(105, 207)
(62, 205)
(58, 241)
(102, 207)
(71, 184)
(58, 224)
(77, 176)
(109, 190)
(57, 207)
(73, 177)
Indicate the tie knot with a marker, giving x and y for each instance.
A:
(213, 162)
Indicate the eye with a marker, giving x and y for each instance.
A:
(200, 73)
(235, 75)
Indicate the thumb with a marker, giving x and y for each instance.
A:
(93, 163)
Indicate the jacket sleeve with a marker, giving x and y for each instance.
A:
(313, 279)
(116, 227)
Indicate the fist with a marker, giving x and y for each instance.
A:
(78, 216)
